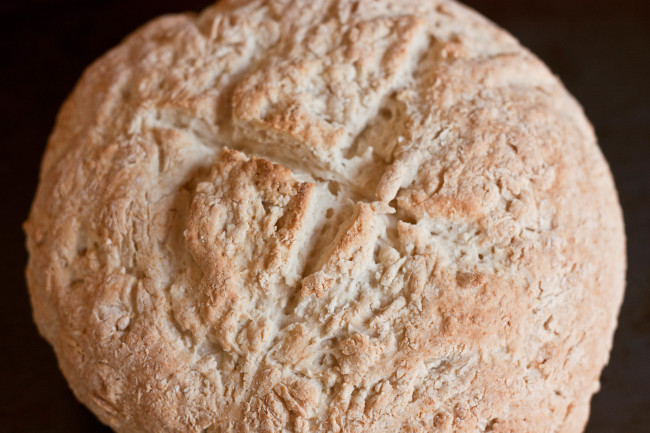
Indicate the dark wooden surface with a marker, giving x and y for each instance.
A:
(600, 49)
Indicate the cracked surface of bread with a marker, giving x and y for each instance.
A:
(326, 216)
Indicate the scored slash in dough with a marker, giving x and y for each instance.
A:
(326, 216)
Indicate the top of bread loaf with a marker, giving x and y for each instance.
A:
(326, 216)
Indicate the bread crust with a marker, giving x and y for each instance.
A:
(326, 216)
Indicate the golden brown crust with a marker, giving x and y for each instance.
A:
(327, 216)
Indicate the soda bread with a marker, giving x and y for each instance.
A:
(326, 216)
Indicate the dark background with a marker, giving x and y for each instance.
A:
(600, 49)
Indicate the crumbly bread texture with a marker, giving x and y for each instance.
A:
(326, 216)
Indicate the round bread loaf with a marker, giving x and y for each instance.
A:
(326, 216)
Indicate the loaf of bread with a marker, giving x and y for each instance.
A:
(326, 216)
